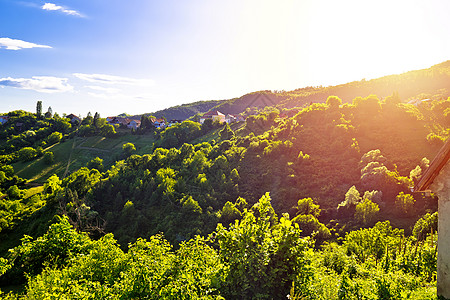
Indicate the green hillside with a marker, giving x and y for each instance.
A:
(433, 82)
(74, 154)
(319, 200)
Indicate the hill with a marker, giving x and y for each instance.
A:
(433, 82)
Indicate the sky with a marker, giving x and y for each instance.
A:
(140, 56)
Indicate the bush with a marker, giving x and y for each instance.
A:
(48, 158)
(96, 163)
(128, 149)
(27, 153)
(54, 138)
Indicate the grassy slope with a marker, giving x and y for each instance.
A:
(85, 149)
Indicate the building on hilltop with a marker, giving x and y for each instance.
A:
(158, 123)
(4, 119)
(230, 119)
(215, 115)
(73, 118)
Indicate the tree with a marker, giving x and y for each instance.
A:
(27, 153)
(39, 109)
(128, 149)
(226, 133)
(333, 102)
(14, 192)
(88, 120)
(263, 254)
(393, 99)
(352, 198)
(107, 130)
(48, 158)
(405, 203)
(306, 206)
(366, 212)
(146, 123)
(96, 118)
(54, 138)
(96, 163)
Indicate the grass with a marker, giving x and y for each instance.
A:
(214, 135)
(33, 191)
(84, 150)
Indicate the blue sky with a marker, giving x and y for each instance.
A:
(139, 56)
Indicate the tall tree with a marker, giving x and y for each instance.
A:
(96, 117)
(39, 109)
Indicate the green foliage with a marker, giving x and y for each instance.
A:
(366, 212)
(54, 248)
(352, 198)
(128, 149)
(96, 163)
(371, 243)
(263, 255)
(49, 157)
(54, 138)
(333, 102)
(226, 133)
(27, 153)
(425, 225)
(405, 203)
(334, 258)
(177, 134)
(306, 206)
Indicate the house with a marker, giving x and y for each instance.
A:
(437, 179)
(174, 121)
(159, 123)
(215, 115)
(134, 124)
(240, 118)
(124, 122)
(230, 119)
(4, 119)
(73, 118)
(416, 102)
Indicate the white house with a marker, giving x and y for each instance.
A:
(215, 115)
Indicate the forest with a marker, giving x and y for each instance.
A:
(316, 205)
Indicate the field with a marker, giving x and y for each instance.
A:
(73, 154)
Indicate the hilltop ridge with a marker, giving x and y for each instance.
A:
(417, 84)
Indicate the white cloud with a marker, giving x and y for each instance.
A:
(111, 79)
(43, 84)
(54, 7)
(12, 44)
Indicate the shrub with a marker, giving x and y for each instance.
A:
(49, 157)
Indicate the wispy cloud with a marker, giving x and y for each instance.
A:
(43, 84)
(54, 7)
(12, 44)
(111, 79)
